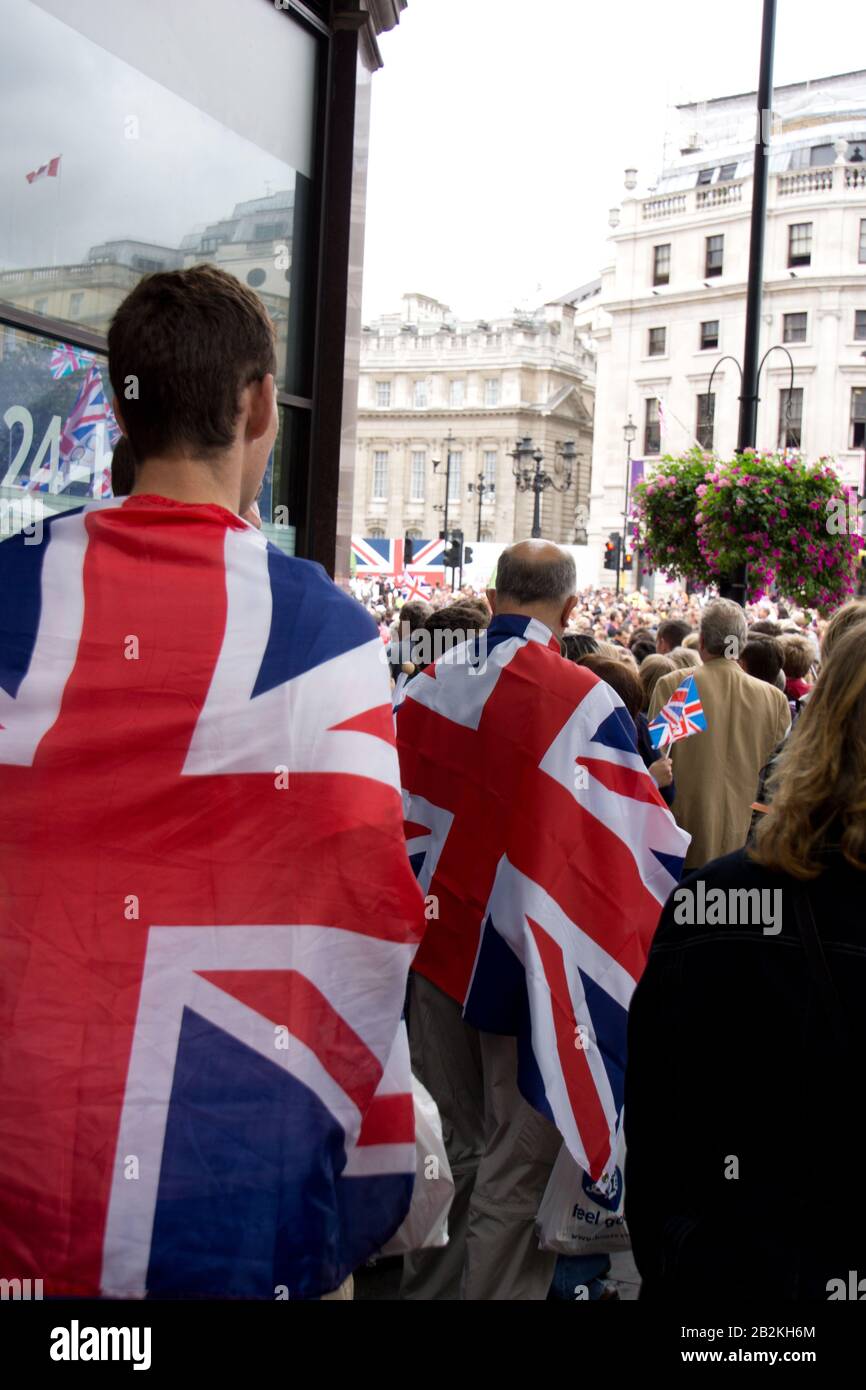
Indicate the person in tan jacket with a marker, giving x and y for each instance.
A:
(716, 772)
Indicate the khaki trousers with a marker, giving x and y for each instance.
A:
(501, 1152)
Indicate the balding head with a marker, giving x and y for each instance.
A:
(536, 579)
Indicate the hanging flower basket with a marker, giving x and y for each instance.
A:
(701, 518)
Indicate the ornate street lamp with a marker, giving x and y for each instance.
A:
(629, 431)
(536, 480)
(483, 489)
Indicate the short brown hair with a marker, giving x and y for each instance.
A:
(621, 676)
(191, 340)
(652, 668)
(798, 655)
(762, 657)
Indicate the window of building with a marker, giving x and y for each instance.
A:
(705, 176)
(383, 394)
(859, 325)
(380, 476)
(715, 255)
(821, 154)
(418, 471)
(794, 328)
(75, 302)
(420, 395)
(861, 253)
(858, 418)
(41, 305)
(710, 334)
(375, 533)
(490, 459)
(486, 534)
(662, 264)
(458, 393)
(706, 418)
(727, 171)
(652, 435)
(657, 341)
(791, 418)
(800, 243)
(491, 391)
(455, 475)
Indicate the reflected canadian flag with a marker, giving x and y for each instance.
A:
(46, 171)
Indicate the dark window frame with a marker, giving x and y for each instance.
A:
(799, 258)
(791, 424)
(662, 277)
(705, 346)
(790, 332)
(705, 420)
(651, 350)
(652, 429)
(714, 255)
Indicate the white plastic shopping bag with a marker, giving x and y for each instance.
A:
(426, 1223)
(578, 1217)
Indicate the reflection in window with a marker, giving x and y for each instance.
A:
(57, 428)
(149, 180)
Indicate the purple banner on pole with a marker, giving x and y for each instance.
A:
(637, 472)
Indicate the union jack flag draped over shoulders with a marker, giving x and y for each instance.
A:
(206, 914)
(531, 818)
(682, 716)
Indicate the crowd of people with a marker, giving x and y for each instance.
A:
(273, 854)
(739, 1028)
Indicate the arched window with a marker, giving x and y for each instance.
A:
(375, 533)
(414, 534)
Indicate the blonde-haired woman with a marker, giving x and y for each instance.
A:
(747, 1036)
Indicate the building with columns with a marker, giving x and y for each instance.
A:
(673, 299)
(425, 376)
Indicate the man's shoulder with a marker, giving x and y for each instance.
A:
(307, 582)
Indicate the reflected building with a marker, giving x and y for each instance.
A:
(249, 151)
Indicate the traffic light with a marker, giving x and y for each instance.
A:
(408, 549)
(612, 547)
(467, 555)
(629, 558)
(453, 550)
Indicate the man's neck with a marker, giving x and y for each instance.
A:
(190, 480)
(530, 612)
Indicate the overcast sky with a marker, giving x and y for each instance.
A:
(501, 128)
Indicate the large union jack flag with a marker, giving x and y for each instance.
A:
(206, 914)
(682, 716)
(530, 817)
(378, 558)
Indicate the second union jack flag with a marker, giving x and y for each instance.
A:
(682, 716)
(532, 821)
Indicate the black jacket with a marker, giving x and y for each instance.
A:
(731, 1056)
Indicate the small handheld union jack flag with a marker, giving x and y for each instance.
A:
(682, 716)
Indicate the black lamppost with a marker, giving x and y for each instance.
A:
(629, 431)
(483, 489)
(443, 507)
(537, 480)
